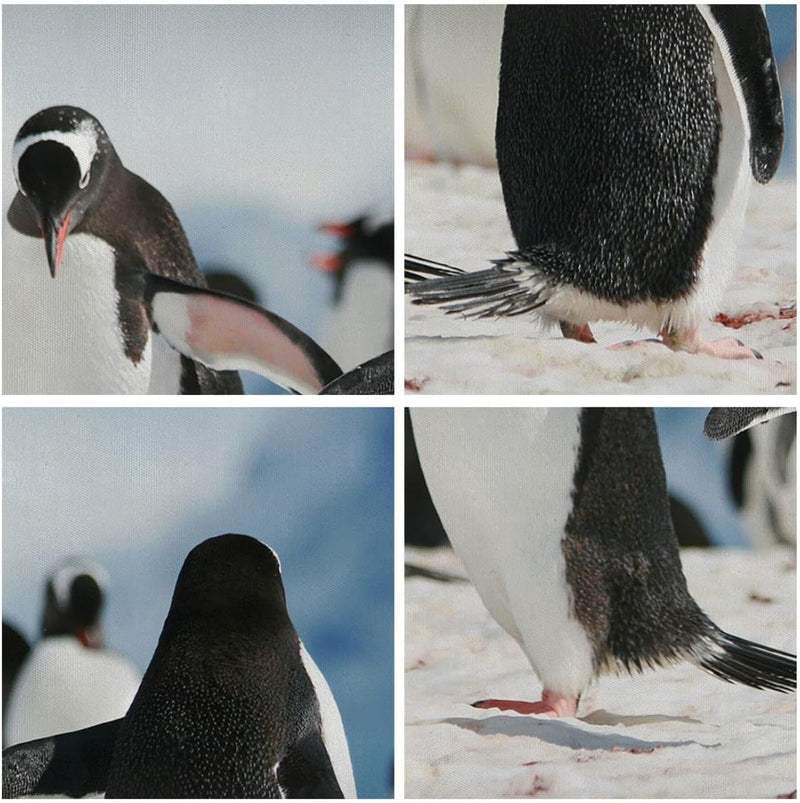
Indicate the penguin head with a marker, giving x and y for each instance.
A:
(74, 598)
(233, 579)
(61, 157)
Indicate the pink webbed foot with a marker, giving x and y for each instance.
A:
(727, 348)
(580, 333)
(552, 704)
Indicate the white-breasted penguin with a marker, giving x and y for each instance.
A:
(561, 518)
(360, 321)
(762, 468)
(108, 227)
(232, 705)
(626, 138)
(224, 332)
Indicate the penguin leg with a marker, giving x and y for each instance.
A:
(728, 348)
(580, 333)
(552, 704)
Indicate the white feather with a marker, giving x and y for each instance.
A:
(501, 480)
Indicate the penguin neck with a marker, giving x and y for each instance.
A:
(134, 217)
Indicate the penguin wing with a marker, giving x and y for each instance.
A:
(723, 422)
(376, 376)
(743, 38)
(223, 332)
(22, 217)
(306, 771)
(73, 764)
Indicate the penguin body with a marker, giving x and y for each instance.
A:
(626, 139)
(105, 228)
(231, 705)
(561, 518)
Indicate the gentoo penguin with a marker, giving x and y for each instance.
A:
(224, 332)
(626, 138)
(561, 518)
(367, 237)
(360, 321)
(102, 226)
(762, 469)
(232, 705)
(70, 679)
(452, 57)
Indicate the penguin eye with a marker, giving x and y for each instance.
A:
(84, 179)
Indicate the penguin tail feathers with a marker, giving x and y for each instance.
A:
(512, 286)
(418, 269)
(737, 660)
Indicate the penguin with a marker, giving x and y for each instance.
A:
(626, 140)
(71, 679)
(224, 332)
(232, 704)
(360, 321)
(452, 57)
(367, 237)
(762, 476)
(102, 226)
(562, 520)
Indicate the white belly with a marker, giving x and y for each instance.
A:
(501, 480)
(62, 335)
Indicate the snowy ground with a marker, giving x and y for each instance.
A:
(455, 214)
(668, 733)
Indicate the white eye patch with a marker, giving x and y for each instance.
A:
(82, 142)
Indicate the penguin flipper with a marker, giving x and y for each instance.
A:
(747, 49)
(724, 422)
(73, 764)
(306, 771)
(22, 217)
(224, 332)
(376, 376)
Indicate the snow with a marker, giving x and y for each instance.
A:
(455, 214)
(675, 732)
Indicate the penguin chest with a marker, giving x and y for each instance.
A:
(66, 332)
(501, 480)
(361, 324)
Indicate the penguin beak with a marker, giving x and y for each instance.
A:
(338, 229)
(55, 234)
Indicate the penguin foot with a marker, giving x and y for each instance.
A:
(580, 333)
(728, 348)
(552, 704)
